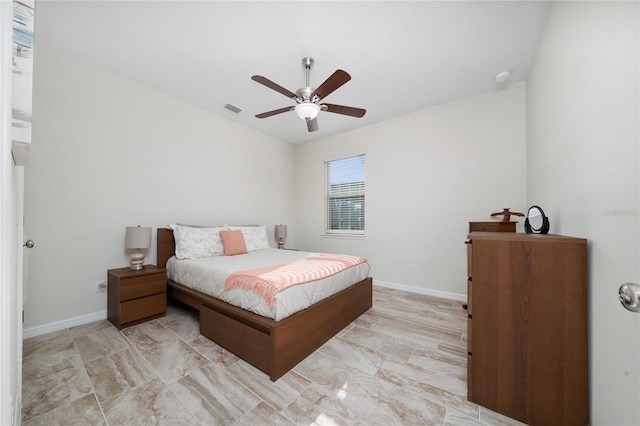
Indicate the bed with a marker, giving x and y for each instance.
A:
(272, 346)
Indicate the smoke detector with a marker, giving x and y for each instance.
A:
(503, 76)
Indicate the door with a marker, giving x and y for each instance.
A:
(10, 239)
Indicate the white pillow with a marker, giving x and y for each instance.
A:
(255, 237)
(192, 242)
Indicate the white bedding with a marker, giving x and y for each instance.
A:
(208, 275)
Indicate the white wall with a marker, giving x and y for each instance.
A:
(109, 153)
(427, 175)
(582, 161)
(96, 134)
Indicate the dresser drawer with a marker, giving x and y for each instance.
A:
(469, 258)
(144, 307)
(144, 285)
(492, 226)
(483, 227)
(469, 335)
(469, 378)
(469, 298)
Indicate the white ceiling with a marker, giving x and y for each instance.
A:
(403, 56)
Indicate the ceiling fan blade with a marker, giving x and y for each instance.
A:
(271, 85)
(344, 110)
(312, 125)
(274, 112)
(334, 81)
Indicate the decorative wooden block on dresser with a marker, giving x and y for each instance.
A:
(136, 296)
(527, 326)
(492, 226)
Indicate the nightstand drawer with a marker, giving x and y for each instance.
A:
(134, 287)
(144, 307)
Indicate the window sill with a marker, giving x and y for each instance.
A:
(345, 236)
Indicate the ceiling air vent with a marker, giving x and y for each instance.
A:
(233, 108)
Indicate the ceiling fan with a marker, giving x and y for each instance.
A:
(308, 99)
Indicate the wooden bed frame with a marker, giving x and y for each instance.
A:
(274, 347)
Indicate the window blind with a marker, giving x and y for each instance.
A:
(345, 195)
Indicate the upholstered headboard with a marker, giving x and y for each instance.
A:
(166, 246)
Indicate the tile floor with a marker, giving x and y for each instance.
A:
(401, 363)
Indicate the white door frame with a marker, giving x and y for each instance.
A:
(10, 240)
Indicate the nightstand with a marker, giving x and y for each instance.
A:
(136, 296)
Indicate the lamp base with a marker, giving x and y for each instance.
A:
(280, 243)
(137, 260)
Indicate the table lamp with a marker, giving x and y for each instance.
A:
(137, 238)
(281, 235)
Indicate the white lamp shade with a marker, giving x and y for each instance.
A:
(137, 237)
(307, 110)
(281, 231)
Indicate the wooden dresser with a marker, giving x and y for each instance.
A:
(527, 326)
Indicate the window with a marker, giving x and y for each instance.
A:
(344, 196)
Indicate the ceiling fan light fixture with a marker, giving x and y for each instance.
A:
(307, 110)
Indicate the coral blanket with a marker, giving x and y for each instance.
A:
(270, 280)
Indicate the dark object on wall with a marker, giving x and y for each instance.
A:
(536, 221)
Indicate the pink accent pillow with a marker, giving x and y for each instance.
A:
(233, 242)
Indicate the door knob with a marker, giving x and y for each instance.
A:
(28, 244)
(629, 295)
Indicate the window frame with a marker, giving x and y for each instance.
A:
(342, 233)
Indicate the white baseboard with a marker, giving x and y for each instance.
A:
(97, 316)
(61, 325)
(422, 290)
